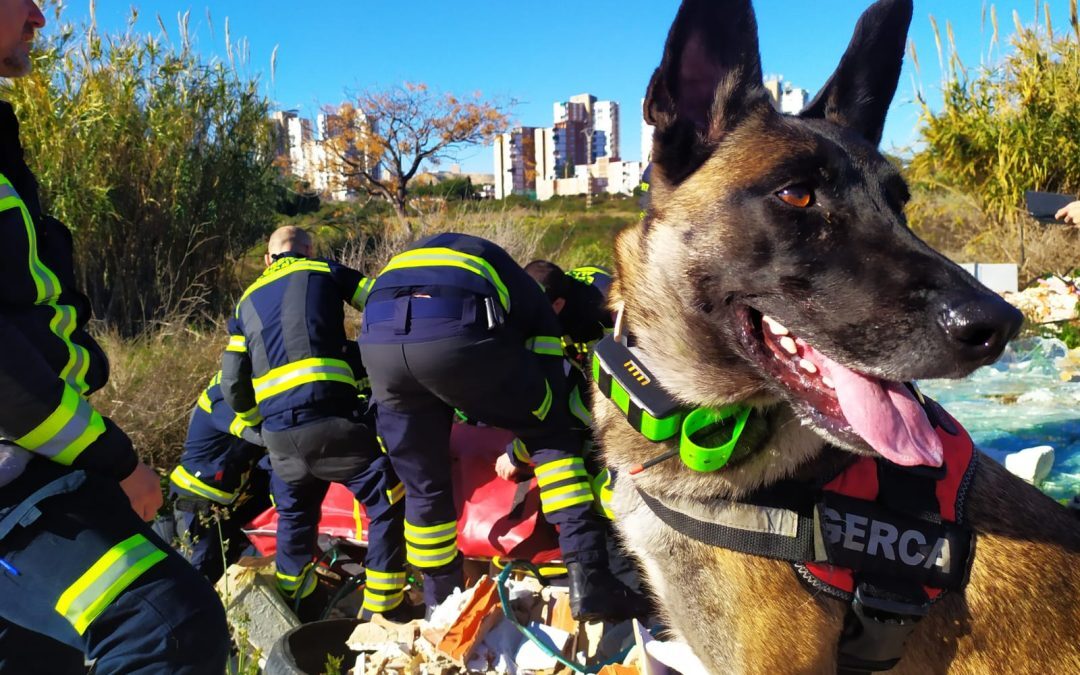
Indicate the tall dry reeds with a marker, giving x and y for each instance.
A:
(154, 382)
(1003, 128)
(157, 159)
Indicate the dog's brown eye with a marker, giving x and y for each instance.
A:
(797, 195)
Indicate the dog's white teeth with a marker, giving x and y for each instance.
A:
(828, 382)
(807, 366)
(775, 327)
(789, 346)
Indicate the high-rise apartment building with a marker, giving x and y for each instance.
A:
(515, 162)
(646, 137)
(605, 130)
(293, 132)
(786, 98)
(324, 166)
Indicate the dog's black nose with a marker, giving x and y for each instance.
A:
(979, 327)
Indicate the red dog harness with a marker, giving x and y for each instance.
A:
(889, 540)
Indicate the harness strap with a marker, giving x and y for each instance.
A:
(781, 534)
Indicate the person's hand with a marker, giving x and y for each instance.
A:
(1069, 213)
(143, 488)
(504, 467)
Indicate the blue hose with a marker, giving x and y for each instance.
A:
(529, 634)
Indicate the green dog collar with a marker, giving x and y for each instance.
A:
(651, 411)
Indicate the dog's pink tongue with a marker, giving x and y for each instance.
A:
(886, 415)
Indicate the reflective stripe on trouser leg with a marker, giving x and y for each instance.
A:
(431, 546)
(84, 600)
(567, 501)
(563, 483)
(383, 591)
(304, 582)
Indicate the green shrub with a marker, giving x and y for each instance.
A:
(159, 161)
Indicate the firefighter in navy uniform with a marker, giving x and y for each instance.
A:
(287, 366)
(579, 298)
(82, 575)
(454, 322)
(221, 483)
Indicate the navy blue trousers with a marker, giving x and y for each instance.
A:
(86, 579)
(211, 536)
(298, 495)
(492, 378)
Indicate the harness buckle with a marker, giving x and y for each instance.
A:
(875, 630)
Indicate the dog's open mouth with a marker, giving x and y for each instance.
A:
(857, 409)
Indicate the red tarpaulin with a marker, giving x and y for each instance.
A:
(495, 517)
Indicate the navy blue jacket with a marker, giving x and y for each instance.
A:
(452, 264)
(288, 356)
(219, 453)
(49, 364)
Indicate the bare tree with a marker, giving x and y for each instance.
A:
(384, 139)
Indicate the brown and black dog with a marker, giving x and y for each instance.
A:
(764, 225)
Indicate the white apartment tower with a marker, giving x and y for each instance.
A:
(606, 130)
(786, 98)
(646, 138)
(294, 132)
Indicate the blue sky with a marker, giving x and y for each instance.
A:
(536, 52)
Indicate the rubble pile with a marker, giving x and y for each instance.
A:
(471, 633)
(1049, 300)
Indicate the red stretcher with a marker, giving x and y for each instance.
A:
(496, 518)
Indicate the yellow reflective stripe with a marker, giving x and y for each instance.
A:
(185, 480)
(545, 344)
(520, 451)
(385, 580)
(290, 584)
(283, 268)
(563, 490)
(550, 472)
(302, 372)
(603, 493)
(47, 292)
(237, 343)
(237, 426)
(578, 408)
(358, 520)
(545, 406)
(430, 533)
(589, 270)
(363, 289)
(431, 557)
(396, 493)
(216, 379)
(67, 431)
(374, 602)
(572, 495)
(250, 417)
(448, 257)
(551, 479)
(87, 598)
(204, 402)
(382, 444)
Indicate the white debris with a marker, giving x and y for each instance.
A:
(530, 657)
(677, 656)
(1031, 464)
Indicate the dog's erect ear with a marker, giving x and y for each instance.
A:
(709, 76)
(858, 94)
